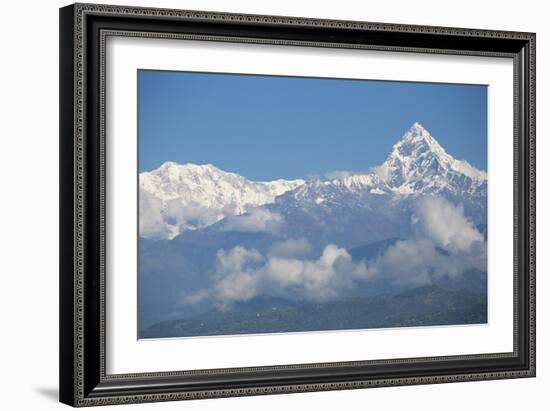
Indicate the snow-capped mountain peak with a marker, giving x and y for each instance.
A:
(417, 163)
(178, 197)
(417, 134)
(208, 185)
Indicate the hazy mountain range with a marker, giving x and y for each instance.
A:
(214, 242)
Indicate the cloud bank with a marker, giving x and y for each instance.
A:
(158, 220)
(151, 223)
(445, 244)
(256, 219)
(242, 273)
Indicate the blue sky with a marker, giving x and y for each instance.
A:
(266, 127)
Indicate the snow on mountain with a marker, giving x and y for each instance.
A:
(358, 209)
(325, 190)
(418, 164)
(177, 197)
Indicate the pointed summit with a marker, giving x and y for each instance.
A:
(417, 129)
(417, 133)
(418, 140)
(418, 161)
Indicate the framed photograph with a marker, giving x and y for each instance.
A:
(261, 204)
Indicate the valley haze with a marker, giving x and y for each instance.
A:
(402, 244)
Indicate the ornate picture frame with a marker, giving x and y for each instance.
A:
(84, 83)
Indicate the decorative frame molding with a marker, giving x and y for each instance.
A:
(83, 32)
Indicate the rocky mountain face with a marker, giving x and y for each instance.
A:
(418, 164)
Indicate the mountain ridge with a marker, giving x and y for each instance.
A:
(182, 197)
(190, 196)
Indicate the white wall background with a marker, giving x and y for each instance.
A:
(29, 206)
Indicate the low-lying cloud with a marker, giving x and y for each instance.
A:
(242, 274)
(321, 279)
(151, 223)
(166, 220)
(445, 244)
(256, 219)
(446, 225)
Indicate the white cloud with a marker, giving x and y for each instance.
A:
(381, 171)
(408, 262)
(242, 274)
(447, 244)
(256, 219)
(166, 220)
(158, 219)
(196, 298)
(237, 274)
(190, 215)
(236, 277)
(151, 223)
(320, 279)
(446, 224)
(236, 259)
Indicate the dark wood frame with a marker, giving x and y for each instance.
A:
(83, 29)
